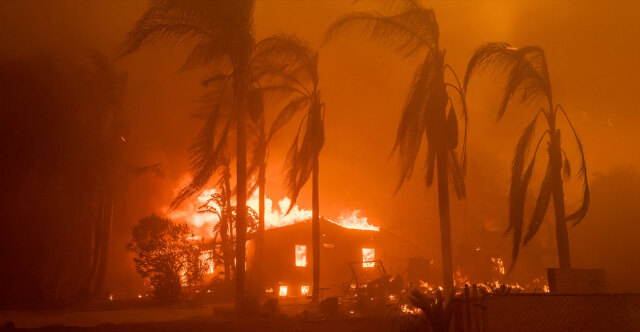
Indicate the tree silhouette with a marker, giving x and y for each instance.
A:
(527, 73)
(222, 32)
(293, 66)
(429, 111)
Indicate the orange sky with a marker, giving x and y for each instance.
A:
(591, 47)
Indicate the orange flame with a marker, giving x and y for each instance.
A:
(274, 217)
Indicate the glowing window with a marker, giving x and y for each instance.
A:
(304, 290)
(368, 257)
(301, 255)
(282, 291)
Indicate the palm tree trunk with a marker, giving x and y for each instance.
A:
(258, 257)
(562, 233)
(315, 232)
(241, 195)
(445, 220)
(224, 226)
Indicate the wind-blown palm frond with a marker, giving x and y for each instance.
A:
(577, 216)
(299, 162)
(413, 123)
(526, 70)
(413, 30)
(520, 179)
(544, 197)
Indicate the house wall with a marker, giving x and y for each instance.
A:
(339, 247)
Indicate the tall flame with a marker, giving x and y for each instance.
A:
(274, 217)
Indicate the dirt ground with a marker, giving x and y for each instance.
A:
(279, 324)
(209, 317)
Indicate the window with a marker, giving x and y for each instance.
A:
(282, 291)
(304, 290)
(301, 255)
(368, 257)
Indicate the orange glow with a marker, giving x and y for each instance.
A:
(304, 290)
(368, 255)
(301, 255)
(498, 265)
(206, 257)
(282, 291)
(274, 217)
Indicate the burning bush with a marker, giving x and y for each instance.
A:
(163, 249)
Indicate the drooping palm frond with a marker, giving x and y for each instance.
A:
(301, 155)
(456, 175)
(207, 154)
(413, 123)
(542, 204)
(520, 179)
(288, 55)
(577, 216)
(463, 112)
(526, 71)
(295, 105)
(413, 30)
(286, 63)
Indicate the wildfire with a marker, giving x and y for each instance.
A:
(274, 217)
(498, 265)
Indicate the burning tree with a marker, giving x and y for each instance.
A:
(219, 205)
(223, 38)
(163, 250)
(429, 111)
(527, 73)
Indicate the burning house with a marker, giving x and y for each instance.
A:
(352, 251)
(348, 256)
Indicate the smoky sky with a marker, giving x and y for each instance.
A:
(591, 47)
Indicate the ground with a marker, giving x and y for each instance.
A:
(195, 318)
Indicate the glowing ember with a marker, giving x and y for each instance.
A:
(498, 265)
(301, 255)
(407, 309)
(368, 255)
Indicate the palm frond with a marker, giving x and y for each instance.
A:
(542, 203)
(577, 216)
(566, 166)
(452, 129)
(294, 106)
(413, 123)
(431, 161)
(207, 154)
(526, 71)
(520, 179)
(456, 175)
(299, 162)
(219, 28)
(413, 30)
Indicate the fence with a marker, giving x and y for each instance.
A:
(547, 312)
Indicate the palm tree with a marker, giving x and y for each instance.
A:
(527, 73)
(292, 67)
(429, 111)
(222, 32)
